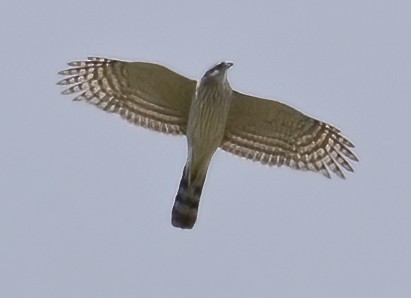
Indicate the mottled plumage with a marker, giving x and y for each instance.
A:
(212, 116)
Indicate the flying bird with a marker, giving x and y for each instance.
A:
(211, 115)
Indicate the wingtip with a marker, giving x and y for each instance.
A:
(66, 92)
(325, 173)
(62, 82)
(63, 72)
(77, 63)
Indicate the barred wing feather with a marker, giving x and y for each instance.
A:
(145, 94)
(276, 134)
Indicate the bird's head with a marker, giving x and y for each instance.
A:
(218, 71)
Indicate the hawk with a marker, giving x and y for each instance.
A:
(211, 115)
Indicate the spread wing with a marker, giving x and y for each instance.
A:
(275, 134)
(145, 94)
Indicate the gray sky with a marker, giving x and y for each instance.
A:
(86, 197)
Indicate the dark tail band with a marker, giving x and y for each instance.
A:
(185, 209)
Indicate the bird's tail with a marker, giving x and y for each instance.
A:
(185, 209)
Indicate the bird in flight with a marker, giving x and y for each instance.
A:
(211, 115)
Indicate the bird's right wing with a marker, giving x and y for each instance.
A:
(145, 94)
(276, 134)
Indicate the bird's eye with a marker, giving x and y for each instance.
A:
(212, 72)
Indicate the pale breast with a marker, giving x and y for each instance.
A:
(208, 116)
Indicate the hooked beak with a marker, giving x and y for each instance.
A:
(229, 64)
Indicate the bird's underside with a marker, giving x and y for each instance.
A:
(157, 98)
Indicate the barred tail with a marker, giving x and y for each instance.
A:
(185, 209)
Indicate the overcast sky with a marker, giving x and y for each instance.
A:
(85, 197)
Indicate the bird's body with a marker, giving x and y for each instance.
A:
(205, 132)
(212, 116)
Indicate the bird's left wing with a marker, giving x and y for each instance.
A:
(145, 94)
(276, 134)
